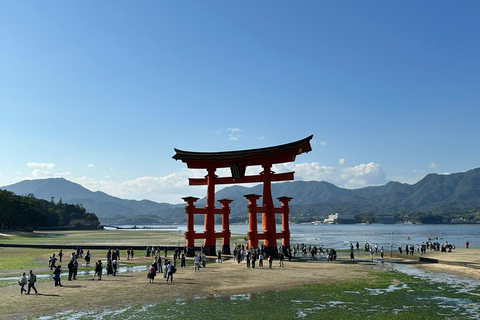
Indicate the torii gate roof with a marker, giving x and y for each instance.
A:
(270, 155)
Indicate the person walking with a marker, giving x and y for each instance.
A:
(56, 276)
(22, 282)
(151, 273)
(31, 282)
(170, 271)
(98, 270)
(183, 262)
(196, 263)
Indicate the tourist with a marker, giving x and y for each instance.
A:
(147, 254)
(109, 255)
(248, 259)
(22, 282)
(352, 256)
(260, 260)
(170, 271)
(56, 276)
(270, 261)
(75, 269)
(60, 255)
(151, 273)
(160, 266)
(467, 243)
(31, 282)
(115, 267)
(109, 268)
(52, 262)
(254, 258)
(70, 270)
(281, 257)
(128, 254)
(196, 262)
(381, 252)
(155, 263)
(87, 257)
(204, 260)
(219, 256)
(98, 270)
(131, 253)
(371, 253)
(183, 262)
(165, 264)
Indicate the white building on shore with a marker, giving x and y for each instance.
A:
(332, 218)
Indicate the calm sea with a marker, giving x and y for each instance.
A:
(339, 236)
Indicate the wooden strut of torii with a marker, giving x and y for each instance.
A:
(238, 161)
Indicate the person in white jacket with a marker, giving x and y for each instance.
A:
(22, 282)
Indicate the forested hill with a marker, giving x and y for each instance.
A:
(21, 212)
(438, 194)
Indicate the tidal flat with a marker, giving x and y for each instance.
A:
(303, 289)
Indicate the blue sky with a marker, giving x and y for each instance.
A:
(101, 92)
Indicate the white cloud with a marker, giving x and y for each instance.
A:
(173, 187)
(432, 165)
(261, 138)
(341, 161)
(233, 133)
(90, 165)
(359, 176)
(323, 143)
(43, 171)
(44, 166)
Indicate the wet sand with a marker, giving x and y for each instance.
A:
(227, 278)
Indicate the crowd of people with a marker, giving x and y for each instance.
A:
(429, 245)
(253, 258)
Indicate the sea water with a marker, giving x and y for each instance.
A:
(339, 236)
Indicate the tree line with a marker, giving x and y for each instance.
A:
(19, 212)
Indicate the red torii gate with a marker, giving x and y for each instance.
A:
(238, 161)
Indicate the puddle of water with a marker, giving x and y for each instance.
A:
(390, 288)
(84, 273)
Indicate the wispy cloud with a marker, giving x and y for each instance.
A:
(432, 165)
(358, 176)
(44, 165)
(234, 133)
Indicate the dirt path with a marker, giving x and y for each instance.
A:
(227, 278)
(133, 288)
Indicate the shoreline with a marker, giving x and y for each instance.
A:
(225, 279)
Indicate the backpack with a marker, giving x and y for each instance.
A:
(34, 278)
(173, 269)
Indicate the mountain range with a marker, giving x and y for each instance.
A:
(435, 193)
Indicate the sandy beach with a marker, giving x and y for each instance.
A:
(227, 278)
